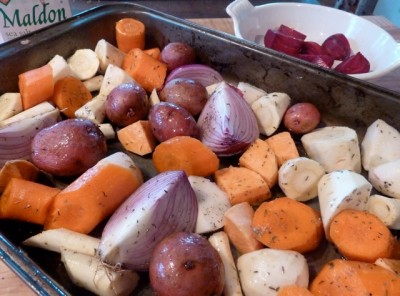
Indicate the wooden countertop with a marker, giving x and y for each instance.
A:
(11, 284)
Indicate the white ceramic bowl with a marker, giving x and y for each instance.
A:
(318, 22)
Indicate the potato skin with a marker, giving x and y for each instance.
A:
(176, 54)
(186, 264)
(126, 104)
(186, 93)
(301, 118)
(68, 148)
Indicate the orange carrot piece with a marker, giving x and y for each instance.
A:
(237, 226)
(18, 168)
(27, 201)
(294, 290)
(287, 224)
(130, 33)
(154, 52)
(149, 72)
(260, 158)
(348, 278)
(361, 236)
(70, 94)
(137, 137)
(242, 185)
(187, 154)
(283, 146)
(36, 86)
(91, 198)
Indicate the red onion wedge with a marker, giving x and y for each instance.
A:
(198, 72)
(164, 204)
(17, 132)
(355, 64)
(227, 123)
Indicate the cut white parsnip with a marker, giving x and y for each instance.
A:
(220, 242)
(84, 63)
(340, 190)
(298, 178)
(211, 88)
(381, 144)
(250, 92)
(10, 105)
(108, 54)
(154, 98)
(269, 111)
(334, 147)
(213, 202)
(60, 68)
(93, 110)
(385, 178)
(385, 208)
(91, 274)
(94, 83)
(107, 130)
(39, 109)
(113, 77)
(264, 271)
(58, 239)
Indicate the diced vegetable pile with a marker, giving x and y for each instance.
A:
(198, 226)
(335, 48)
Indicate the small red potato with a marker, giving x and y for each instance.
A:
(126, 104)
(186, 264)
(301, 118)
(68, 148)
(176, 54)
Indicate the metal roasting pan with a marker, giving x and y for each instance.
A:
(342, 100)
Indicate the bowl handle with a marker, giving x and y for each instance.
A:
(239, 9)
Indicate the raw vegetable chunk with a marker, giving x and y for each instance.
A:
(237, 225)
(242, 185)
(187, 154)
(18, 168)
(212, 204)
(299, 177)
(130, 33)
(137, 138)
(287, 224)
(146, 70)
(385, 178)
(361, 236)
(36, 86)
(260, 158)
(269, 111)
(385, 208)
(264, 272)
(348, 278)
(340, 190)
(283, 146)
(27, 201)
(381, 144)
(334, 147)
(83, 204)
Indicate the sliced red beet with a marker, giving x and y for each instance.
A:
(313, 48)
(337, 46)
(283, 43)
(355, 64)
(322, 60)
(291, 32)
